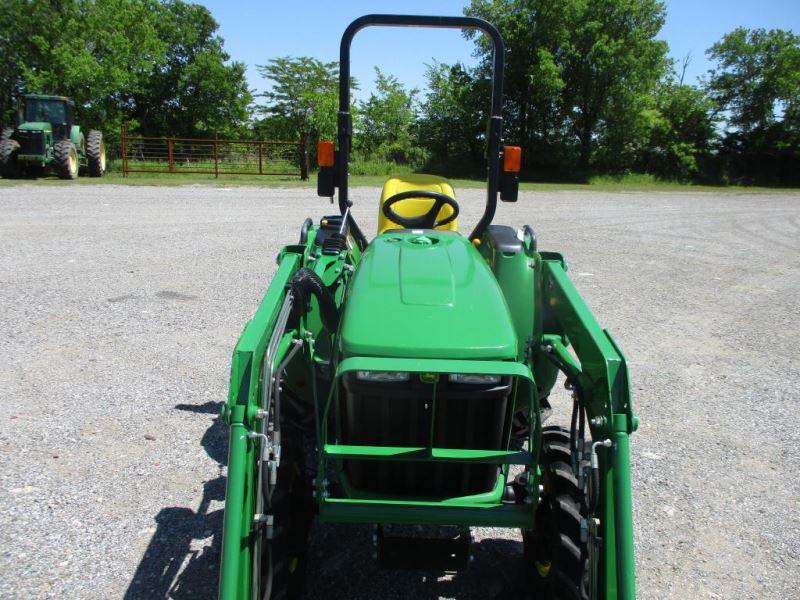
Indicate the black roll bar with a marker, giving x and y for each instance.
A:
(345, 125)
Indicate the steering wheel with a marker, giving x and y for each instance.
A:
(427, 220)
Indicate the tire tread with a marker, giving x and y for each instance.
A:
(561, 511)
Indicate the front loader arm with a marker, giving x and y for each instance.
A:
(267, 345)
(601, 371)
(235, 575)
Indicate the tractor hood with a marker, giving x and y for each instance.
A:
(36, 126)
(426, 295)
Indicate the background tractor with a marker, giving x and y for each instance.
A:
(47, 137)
(405, 380)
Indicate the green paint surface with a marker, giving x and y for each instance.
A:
(426, 296)
(35, 126)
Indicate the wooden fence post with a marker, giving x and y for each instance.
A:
(170, 156)
(260, 158)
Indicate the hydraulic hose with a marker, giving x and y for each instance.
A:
(303, 284)
(577, 431)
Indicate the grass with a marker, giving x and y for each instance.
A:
(628, 183)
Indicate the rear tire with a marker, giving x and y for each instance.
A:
(9, 168)
(6, 133)
(96, 153)
(556, 559)
(66, 159)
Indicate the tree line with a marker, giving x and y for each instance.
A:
(589, 89)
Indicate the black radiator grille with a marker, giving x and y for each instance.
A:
(392, 414)
(30, 142)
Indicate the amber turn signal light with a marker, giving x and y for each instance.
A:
(512, 159)
(325, 153)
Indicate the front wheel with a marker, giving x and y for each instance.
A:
(96, 153)
(556, 558)
(66, 159)
(289, 502)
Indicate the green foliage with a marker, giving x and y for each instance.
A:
(453, 118)
(757, 84)
(25, 44)
(578, 74)
(588, 91)
(195, 90)
(681, 131)
(155, 63)
(386, 122)
(757, 79)
(302, 104)
(377, 166)
(304, 96)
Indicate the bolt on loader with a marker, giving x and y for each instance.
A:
(405, 381)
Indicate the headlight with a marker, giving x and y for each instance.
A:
(477, 379)
(382, 376)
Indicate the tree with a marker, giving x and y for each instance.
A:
(452, 120)
(757, 78)
(303, 101)
(157, 63)
(88, 51)
(756, 83)
(24, 43)
(682, 131)
(194, 89)
(387, 121)
(578, 71)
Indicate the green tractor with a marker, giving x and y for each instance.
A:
(47, 137)
(405, 381)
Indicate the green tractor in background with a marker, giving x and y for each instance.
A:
(405, 380)
(47, 137)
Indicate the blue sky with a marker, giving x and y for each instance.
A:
(256, 30)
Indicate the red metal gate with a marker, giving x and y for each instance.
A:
(213, 156)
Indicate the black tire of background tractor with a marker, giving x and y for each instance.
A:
(66, 159)
(8, 158)
(291, 504)
(556, 559)
(6, 133)
(96, 153)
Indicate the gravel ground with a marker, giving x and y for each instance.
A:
(121, 306)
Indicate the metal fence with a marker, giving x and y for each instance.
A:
(211, 156)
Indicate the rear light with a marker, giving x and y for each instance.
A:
(382, 376)
(474, 379)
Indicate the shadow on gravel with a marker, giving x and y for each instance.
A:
(179, 563)
(341, 567)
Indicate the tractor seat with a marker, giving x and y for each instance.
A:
(412, 207)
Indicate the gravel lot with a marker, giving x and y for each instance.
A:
(121, 306)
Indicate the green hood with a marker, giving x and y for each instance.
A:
(36, 126)
(426, 295)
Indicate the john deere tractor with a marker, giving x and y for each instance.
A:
(405, 380)
(47, 137)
